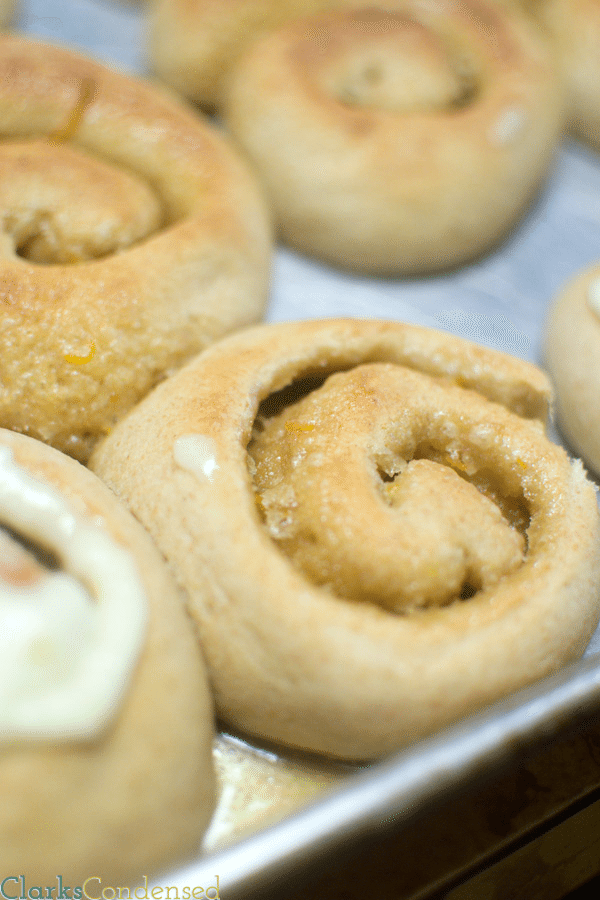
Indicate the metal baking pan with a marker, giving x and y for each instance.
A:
(259, 834)
(402, 791)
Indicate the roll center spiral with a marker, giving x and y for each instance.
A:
(370, 486)
(392, 62)
(60, 205)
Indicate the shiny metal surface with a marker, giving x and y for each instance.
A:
(406, 786)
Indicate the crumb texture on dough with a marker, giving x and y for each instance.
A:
(131, 235)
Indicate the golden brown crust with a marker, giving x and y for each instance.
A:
(309, 494)
(572, 355)
(574, 26)
(89, 337)
(292, 661)
(401, 139)
(138, 797)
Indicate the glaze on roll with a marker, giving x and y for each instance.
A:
(106, 720)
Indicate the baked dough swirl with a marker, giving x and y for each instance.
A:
(106, 721)
(375, 535)
(403, 138)
(574, 26)
(131, 236)
(194, 46)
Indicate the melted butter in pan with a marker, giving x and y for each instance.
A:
(258, 787)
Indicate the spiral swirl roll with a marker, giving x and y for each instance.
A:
(131, 236)
(374, 533)
(403, 138)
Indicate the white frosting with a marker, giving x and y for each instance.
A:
(593, 296)
(197, 454)
(509, 124)
(68, 639)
